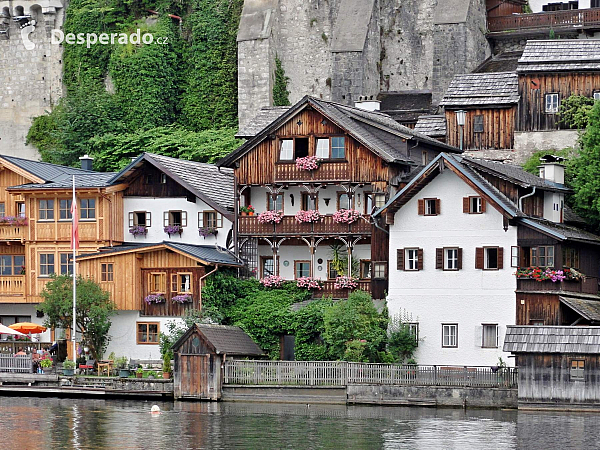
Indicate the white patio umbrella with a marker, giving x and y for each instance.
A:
(5, 330)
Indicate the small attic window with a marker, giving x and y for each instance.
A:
(148, 179)
(163, 178)
(478, 124)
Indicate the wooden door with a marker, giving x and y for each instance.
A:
(194, 376)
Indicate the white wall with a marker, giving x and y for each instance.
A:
(25, 310)
(536, 5)
(157, 206)
(469, 297)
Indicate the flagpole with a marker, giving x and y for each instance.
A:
(74, 270)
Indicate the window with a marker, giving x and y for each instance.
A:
(478, 124)
(597, 94)
(2, 210)
(175, 218)
(181, 283)
(577, 370)
(343, 201)
(450, 335)
(514, 256)
(301, 269)
(210, 219)
(424, 158)
(64, 209)
(147, 332)
(140, 218)
(322, 148)
(595, 4)
(571, 257)
(158, 283)
(46, 210)
(412, 259)
(267, 267)
(149, 179)
(286, 150)
(46, 264)
(491, 258)
(561, 6)
(473, 205)
(414, 330)
(380, 270)
(332, 273)
(537, 322)
(451, 259)
(542, 256)
(309, 202)
(20, 209)
(12, 265)
(379, 200)
(490, 336)
(300, 147)
(429, 206)
(163, 178)
(66, 266)
(106, 272)
(551, 103)
(365, 269)
(275, 204)
(88, 208)
(338, 147)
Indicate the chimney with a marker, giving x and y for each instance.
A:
(551, 169)
(368, 103)
(86, 162)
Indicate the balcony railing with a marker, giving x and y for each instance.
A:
(289, 226)
(329, 289)
(12, 233)
(582, 18)
(588, 285)
(14, 285)
(327, 171)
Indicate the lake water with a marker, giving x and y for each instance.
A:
(49, 423)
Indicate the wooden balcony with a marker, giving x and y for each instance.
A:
(329, 289)
(168, 308)
(12, 286)
(250, 226)
(557, 20)
(12, 233)
(588, 285)
(327, 171)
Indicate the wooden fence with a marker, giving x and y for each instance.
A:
(577, 18)
(338, 373)
(20, 364)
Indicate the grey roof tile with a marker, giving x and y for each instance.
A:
(228, 340)
(82, 180)
(552, 339)
(482, 89)
(259, 122)
(503, 62)
(564, 231)
(432, 125)
(46, 171)
(560, 55)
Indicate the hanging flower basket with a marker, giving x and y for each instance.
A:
(182, 298)
(308, 163)
(346, 216)
(308, 216)
(138, 230)
(270, 217)
(13, 221)
(272, 281)
(541, 274)
(346, 282)
(173, 229)
(207, 231)
(155, 298)
(310, 283)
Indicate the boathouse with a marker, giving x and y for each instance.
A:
(200, 356)
(559, 366)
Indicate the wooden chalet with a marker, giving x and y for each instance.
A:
(200, 356)
(490, 101)
(559, 366)
(365, 156)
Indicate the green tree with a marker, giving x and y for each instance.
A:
(533, 162)
(575, 111)
(402, 342)
(281, 95)
(94, 310)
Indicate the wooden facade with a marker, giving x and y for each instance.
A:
(499, 8)
(485, 128)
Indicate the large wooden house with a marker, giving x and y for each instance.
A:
(363, 158)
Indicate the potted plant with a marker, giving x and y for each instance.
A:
(139, 373)
(138, 230)
(122, 366)
(46, 365)
(69, 368)
(243, 210)
(207, 231)
(250, 210)
(167, 364)
(152, 375)
(173, 229)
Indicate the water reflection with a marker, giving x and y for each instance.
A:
(32, 423)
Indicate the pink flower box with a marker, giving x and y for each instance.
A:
(270, 217)
(346, 216)
(308, 163)
(308, 216)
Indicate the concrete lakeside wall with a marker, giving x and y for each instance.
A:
(434, 396)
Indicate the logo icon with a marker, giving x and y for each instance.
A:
(25, 32)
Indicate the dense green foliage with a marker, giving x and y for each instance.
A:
(533, 162)
(94, 309)
(575, 110)
(281, 95)
(179, 96)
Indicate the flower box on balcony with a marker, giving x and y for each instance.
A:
(138, 230)
(544, 274)
(173, 229)
(272, 281)
(270, 217)
(12, 221)
(345, 282)
(154, 298)
(207, 231)
(309, 283)
(182, 298)
(308, 163)
(310, 216)
(346, 216)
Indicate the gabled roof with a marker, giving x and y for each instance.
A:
(432, 126)
(587, 308)
(560, 55)
(552, 339)
(85, 180)
(263, 118)
(482, 89)
(376, 131)
(205, 254)
(211, 184)
(228, 340)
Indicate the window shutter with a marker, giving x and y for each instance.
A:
(437, 206)
(466, 205)
(173, 282)
(479, 258)
(421, 207)
(148, 219)
(459, 259)
(420, 259)
(439, 258)
(219, 220)
(483, 204)
(130, 219)
(400, 259)
(200, 219)
(500, 258)
(166, 218)
(184, 218)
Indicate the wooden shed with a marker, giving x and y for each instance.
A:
(200, 356)
(559, 366)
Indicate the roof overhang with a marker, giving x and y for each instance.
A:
(18, 170)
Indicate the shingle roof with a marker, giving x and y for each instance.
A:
(562, 231)
(232, 341)
(432, 126)
(503, 62)
(560, 55)
(82, 180)
(552, 339)
(405, 106)
(210, 254)
(482, 89)
(208, 182)
(264, 117)
(588, 309)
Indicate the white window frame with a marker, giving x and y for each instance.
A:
(428, 207)
(286, 150)
(411, 255)
(449, 335)
(552, 103)
(475, 205)
(489, 326)
(451, 261)
(413, 327)
(323, 148)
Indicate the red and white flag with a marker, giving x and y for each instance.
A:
(75, 229)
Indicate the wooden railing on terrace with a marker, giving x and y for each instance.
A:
(19, 364)
(329, 289)
(327, 171)
(588, 285)
(582, 18)
(249, 225)
(13, 285)
(338, 373)
(12, 233)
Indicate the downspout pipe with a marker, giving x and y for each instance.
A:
(525, 196)
(203, 277)
(376, 223)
